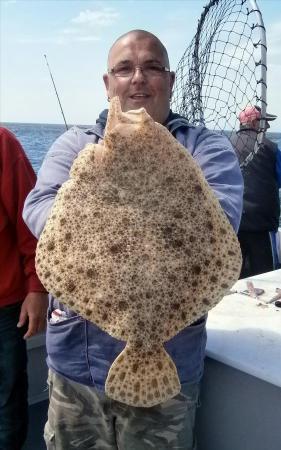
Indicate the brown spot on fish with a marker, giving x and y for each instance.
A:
(91, 273)
(70, 286)
(123, 306)
(198, 188)
(154, 383)
(116, 248)
(122, 376)
(171, 277)
(137, 386)
(135, 367)
(51, 246)
(169, 180)
(138, 343)
(206, 301)
(175, 306)
(196, 269)
(177, 214)
(176, 243)
(111, 378)
(160, 365)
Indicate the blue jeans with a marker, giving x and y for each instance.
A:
(13, 380)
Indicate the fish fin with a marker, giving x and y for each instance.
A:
(114, 115)
(142, 378)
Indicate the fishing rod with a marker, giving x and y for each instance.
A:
(56, 91)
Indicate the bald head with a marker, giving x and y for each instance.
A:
(139, 35)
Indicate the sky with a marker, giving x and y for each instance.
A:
(76, 36)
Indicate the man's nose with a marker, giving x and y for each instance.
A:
(138, 75)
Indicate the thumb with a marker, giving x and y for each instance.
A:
(22, 318)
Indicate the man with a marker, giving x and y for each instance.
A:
(79, 353)
(23, 300)
(261, 204)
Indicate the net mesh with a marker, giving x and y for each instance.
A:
(223, 70)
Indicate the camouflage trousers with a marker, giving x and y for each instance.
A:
(81, 417)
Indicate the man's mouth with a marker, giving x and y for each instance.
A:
(139, 96)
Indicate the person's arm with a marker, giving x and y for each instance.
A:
(278, 167)
(52, 174)
(17, 179)
(218, 161)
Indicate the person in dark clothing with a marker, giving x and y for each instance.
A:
(261, 204)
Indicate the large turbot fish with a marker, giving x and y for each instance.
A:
(138, 244)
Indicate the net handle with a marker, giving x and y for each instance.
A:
(263, 63)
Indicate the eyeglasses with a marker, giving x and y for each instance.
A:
(150, 69)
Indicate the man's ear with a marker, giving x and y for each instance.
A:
(106, 83)
(172, 81)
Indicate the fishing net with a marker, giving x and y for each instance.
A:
(223, 71)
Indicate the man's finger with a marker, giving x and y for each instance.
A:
(22, 318)
(32, 327)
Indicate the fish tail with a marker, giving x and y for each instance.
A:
(142, 378)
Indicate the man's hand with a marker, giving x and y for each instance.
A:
(34, 309)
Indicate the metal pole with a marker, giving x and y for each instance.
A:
(263, 60)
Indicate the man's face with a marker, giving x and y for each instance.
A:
(140, 90)
(256, 125)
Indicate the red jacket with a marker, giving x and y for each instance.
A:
(17, 244)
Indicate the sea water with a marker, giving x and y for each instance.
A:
(37, 138)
